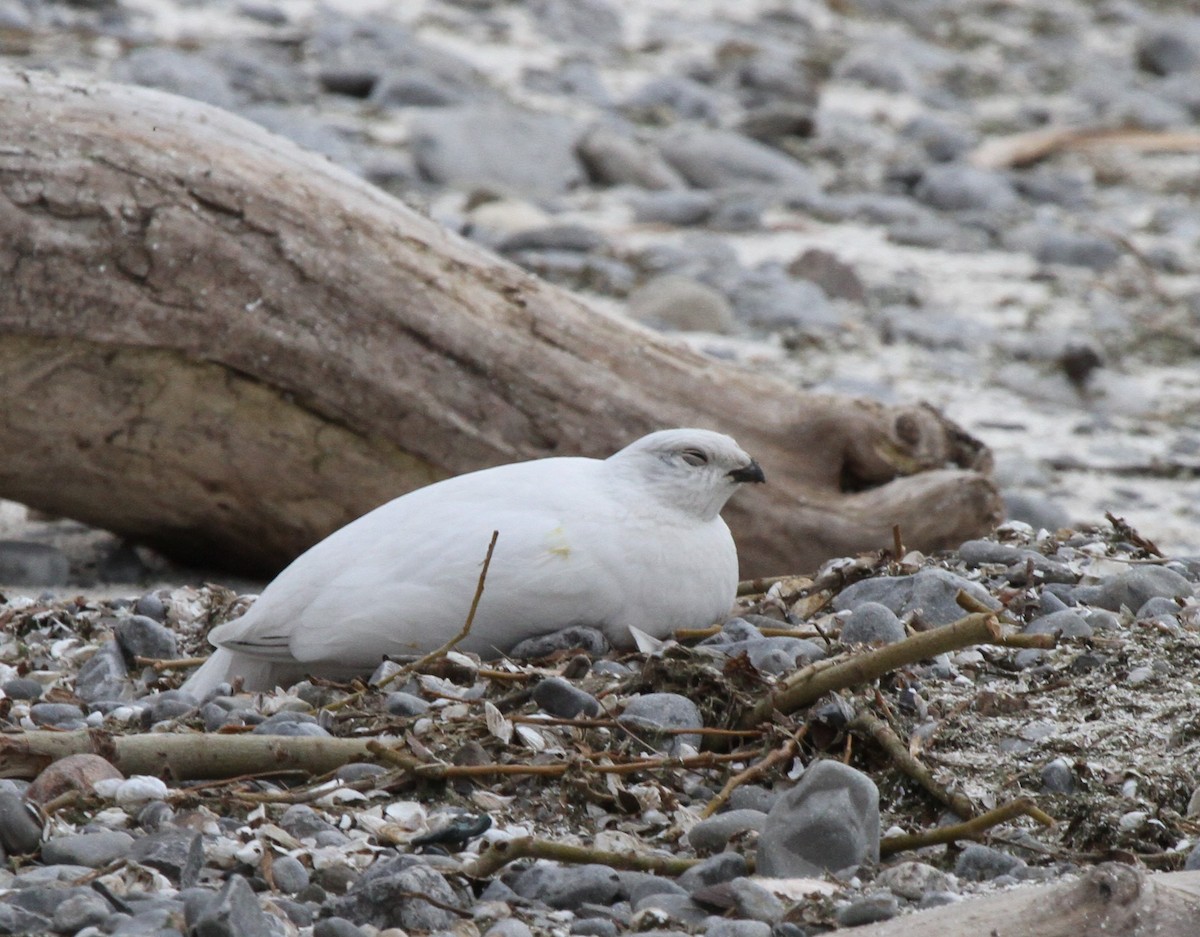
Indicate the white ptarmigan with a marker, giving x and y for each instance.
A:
(634, 539)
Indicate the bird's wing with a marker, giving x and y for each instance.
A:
(400, 579)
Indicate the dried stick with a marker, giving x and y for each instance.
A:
(499, 854)
(179, 663)
(814, 681)
(866, 723)
(969, 829)
(755, 771)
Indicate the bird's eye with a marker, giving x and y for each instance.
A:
(694, 457)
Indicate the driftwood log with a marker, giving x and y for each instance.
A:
(1106, 900)
(225, 347)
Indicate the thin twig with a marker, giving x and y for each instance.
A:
(159, 665)
(969, 829)
(784, 752)
(866, 723)
(897, 542)
(500, 854)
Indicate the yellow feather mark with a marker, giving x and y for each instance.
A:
(557, 543)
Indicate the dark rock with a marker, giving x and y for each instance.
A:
(385, 896)
(1079, 250)
(25, 563)
(590, 641)
(563, 237)
(872, 623)
(1058, 777)
(977, 863)
(646, 716)
(232, 912)
(1167, 50)
(176, 853)
(869, 909)
(511, 150)
(152, 606)
(405, 704)
(753, 902)
(712, 833)
(563, 886)
(141, 636)
(679, 208)
(58, 715)
(717, 868)
(22, 688)
(20, 830)
(828, 822)
(716, 159)
(562, 699)
(929, 592)
(87, 849)
(337, 927)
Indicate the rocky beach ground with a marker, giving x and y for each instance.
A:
(989, 206)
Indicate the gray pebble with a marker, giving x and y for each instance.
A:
(290, 724)
(988, 552)
(1136, 586)
(22, 688)
(645, 716)
(560, 698)
(382, 897)
(978, 863)
(912, 880)
(562, 886)
(58, 715)
(1158, 607)
(679, 908)
(723, 927)
(752, 797)
(712, 833)
(89, 849)
(289, 874)
(35, 564)
(870, 909)
(837, 279)
(678, 302)
(721, 867)
(715, 159)
(752, 901)
(1079, 250)
(613, 158)
(79, 911)
(152, 606)
(104, 676)
(828, 822)
(767, 298)
(590, 641)
(929, 592)
(405, 704)
(1038, 511)
(671, 95)
(20, 830)
(337, 927)
(359, 770)
(233, 912)
(189, 74)
(594, 927)
(872, 623)
(959, 187)
(142, 636)
(1166, 50)
(1067, 623)
(1058, 777)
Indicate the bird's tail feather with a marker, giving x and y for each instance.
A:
(223, 666)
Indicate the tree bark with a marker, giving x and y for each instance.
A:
(225, 347)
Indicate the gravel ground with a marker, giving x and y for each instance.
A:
(817, 190)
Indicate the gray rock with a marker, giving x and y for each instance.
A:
(912, 880)
(591, 24)
(941, 140)
(104, 676)
(141, 636)
(176, 853)
(508, 149)
(717, 159)
(678, 908)
(232, 912)
(1192, 862)
(1068, 623)
(646, 716)
(17, 920)
(20, 830)
(337, 927)
(767, 298)
(670, 98)
(383, 897)
(86, 909)
(22, 688)
(828, 822)
(776, 655)
(837, 279)
(291, 724)
(639, 884)
(1078, 250)
(590, 641)
(1167, 50)
(304, 823)
(88, 849)
(677, 302)
(190, 74)
(1135, 587)
(556, 237)
(58, 715)
(560, 698)
(958, 187)
(405, 704)
(575, 270)
(929, 592)
(1038, 511)
(1159, 607)
(977, 863)
(25, 563)
(593, 927)
(1058, 777)
(753, 902)
(612, 158)
(721, 867)
(359, 771)
(152, 606)
(723, 927)
(679, 209)
(988, 552)
(712, 834)
(872, 623)
(870, 909)
(563, 886)
(752, 797)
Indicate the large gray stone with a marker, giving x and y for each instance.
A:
(25, 563)
(568, 886)
(1135, 587)
(930, 592)
(716, 159)
(827, 822)
(646, 716)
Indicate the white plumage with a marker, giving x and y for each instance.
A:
(634, 539)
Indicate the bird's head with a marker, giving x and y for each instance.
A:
(692, 470)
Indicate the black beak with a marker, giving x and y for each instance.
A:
(751, 473)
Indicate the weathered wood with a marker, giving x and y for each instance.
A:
(1106, 900)
(223, 346)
